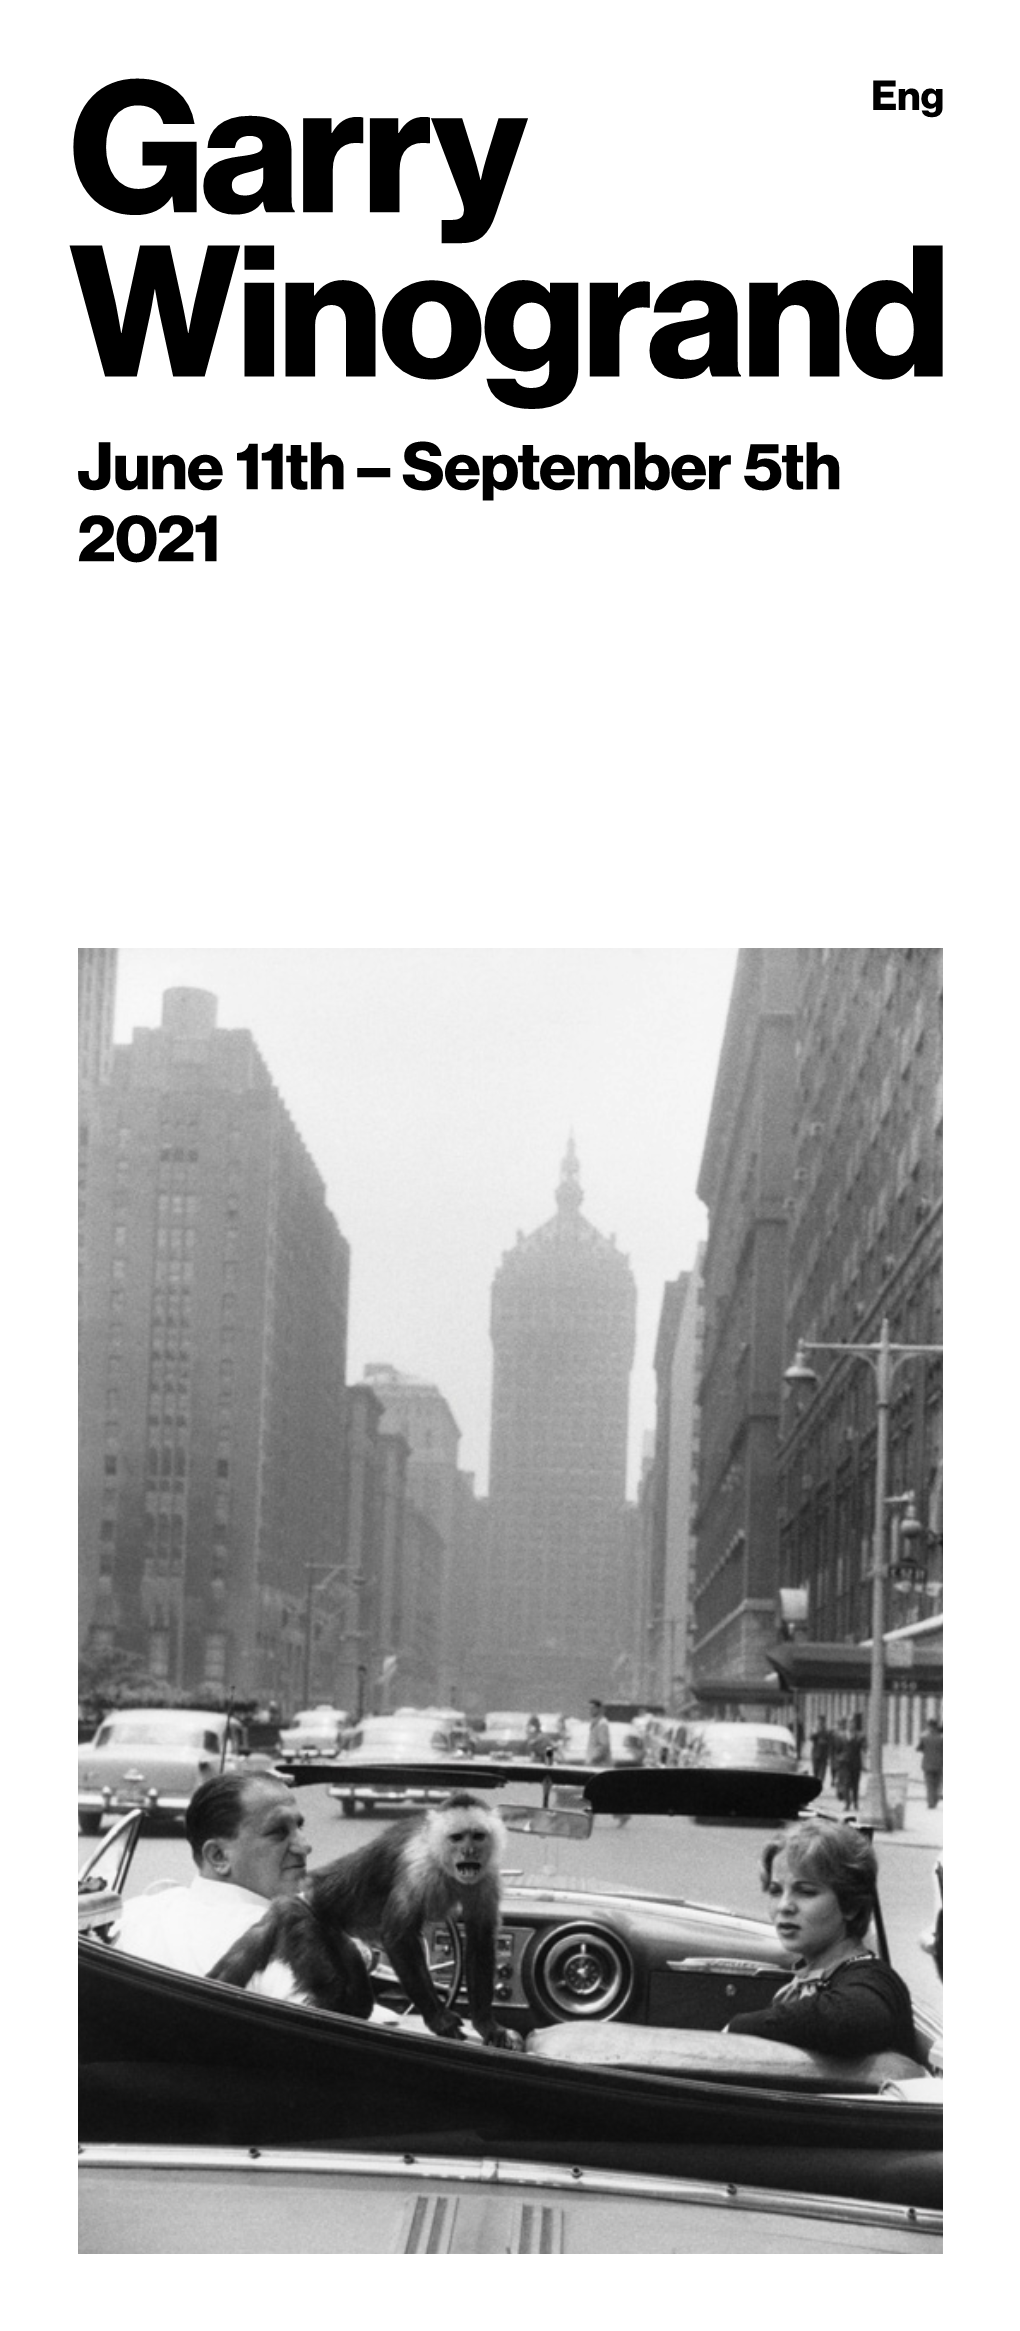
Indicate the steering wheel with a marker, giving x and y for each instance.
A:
(444, 1950)
(444, 1953)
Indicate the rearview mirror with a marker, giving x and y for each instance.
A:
(547, 1821)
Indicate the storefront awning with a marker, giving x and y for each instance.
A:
(847, 1666)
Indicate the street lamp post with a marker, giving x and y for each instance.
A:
(351, 1587)
(883, 1359)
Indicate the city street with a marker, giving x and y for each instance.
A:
(704, 1862)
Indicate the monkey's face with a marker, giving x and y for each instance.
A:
(468, 1849)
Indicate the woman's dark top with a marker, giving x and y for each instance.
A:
(854, 2009)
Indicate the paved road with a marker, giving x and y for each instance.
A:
(706, 1862)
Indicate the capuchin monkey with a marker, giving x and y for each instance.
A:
(440, 1864)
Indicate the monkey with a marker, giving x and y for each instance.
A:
(438, 1864)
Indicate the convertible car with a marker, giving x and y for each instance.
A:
(212, 2119)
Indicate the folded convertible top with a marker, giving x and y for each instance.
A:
(719, 1794)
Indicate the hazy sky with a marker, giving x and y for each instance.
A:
(435, 1090)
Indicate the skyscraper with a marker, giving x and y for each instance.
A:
(746, 1181)
(422, 1415)
(563, 1320)
(97, 987)
(213, 1347)
(671, 1489)
(97, 982)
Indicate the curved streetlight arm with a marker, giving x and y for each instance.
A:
(887, 1356)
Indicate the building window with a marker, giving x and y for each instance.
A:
(215, 1658)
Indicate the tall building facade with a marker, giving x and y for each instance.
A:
(470, 1601)
(378, 1624)
(866, 1243)
(422, 1415)
(653, 1496)
(745, 1181)
(97, 988)
(97, 985)
(465, 1574)
(562, 1553)
(683, 1412)
(213, 1352)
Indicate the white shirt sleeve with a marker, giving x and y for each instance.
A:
(188, 1927)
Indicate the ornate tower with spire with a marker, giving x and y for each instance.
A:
(563, 1313)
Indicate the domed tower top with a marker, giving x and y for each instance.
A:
(567, 1242)
(570, 1194)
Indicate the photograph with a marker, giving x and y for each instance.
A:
(510, 1677)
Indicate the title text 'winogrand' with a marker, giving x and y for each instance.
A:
(267, 174)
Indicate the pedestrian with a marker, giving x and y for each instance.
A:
(853, 1762)
(839, 1743)
(929, 1749)
(600, 1746)
(537, 1743)
(821, 1745)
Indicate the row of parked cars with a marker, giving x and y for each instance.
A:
(674, 1740)
(156, 1757)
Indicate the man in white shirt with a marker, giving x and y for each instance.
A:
(600, 1746)
(245, 1837)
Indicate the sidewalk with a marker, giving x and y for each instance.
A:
(922, 1823)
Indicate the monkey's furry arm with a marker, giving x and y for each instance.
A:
(407, 1956)
(325, 1963)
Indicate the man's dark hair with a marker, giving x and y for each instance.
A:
(217, 1808)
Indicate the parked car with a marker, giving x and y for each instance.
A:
(315, 1731)
(413, 1738)
(627, 1743)
(505, 1732)
(464, 1734)
(220, 2120)
(749, 1747)
(155, 1758)
(664, 1739)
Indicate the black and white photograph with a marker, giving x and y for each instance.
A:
(511, 1650)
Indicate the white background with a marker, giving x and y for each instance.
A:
(386, 720)
(415, 703)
